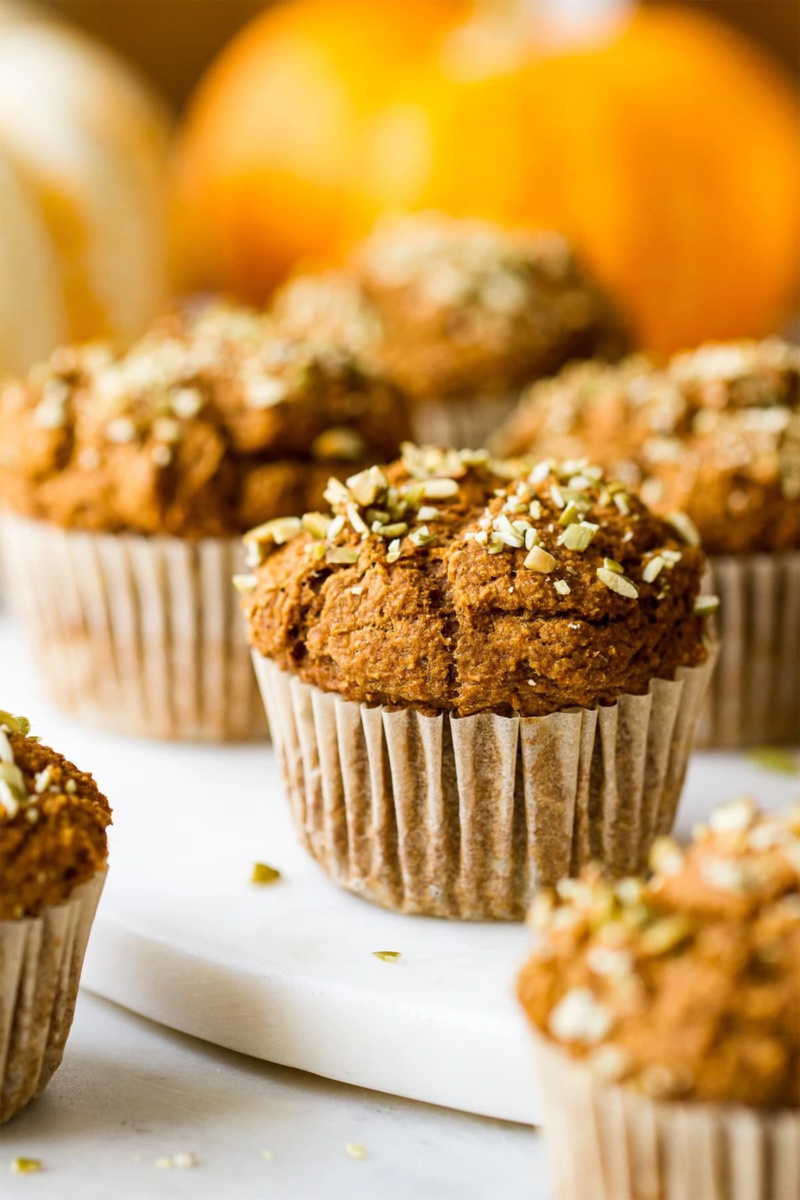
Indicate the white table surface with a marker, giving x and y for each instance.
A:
(129, 1092)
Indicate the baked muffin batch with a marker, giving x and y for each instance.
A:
(714, 434)
(483, 670)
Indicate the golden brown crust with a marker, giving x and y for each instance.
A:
(687, 985)
(209, 423)
(716, 434)
(436, 607)
(468, 308)
(53, 822)
(452, 309)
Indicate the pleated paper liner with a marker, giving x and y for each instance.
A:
(465, 818)
(40, 969)
(755, 694)
(610, 1142)
(467, 424)
(139, 635)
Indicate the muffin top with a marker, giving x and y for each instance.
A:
(715, 433)
(210, 422)
(451, 582)
(453, 308)
(330, 306)
(687, 984)
(53, 824)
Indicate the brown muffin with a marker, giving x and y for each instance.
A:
(469, 308)
(687, 984)
(670, 1009)
(460, 314)
(716, 433)
(53, 822)
(53, 852)
(443, 584)
(477, 680)
(208, 424)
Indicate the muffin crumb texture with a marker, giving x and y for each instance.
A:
(715, 433)
(686, 985)
(209, 424)
(451, 582)
(53, 822)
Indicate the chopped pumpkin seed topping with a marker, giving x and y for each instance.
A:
(25, 1166)
(615, 582)
(387, 955)
(717, 919)
(263, 874)
(543, 512)
(705, 605)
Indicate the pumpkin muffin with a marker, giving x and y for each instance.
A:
(131, 476)
(477, 680)
(715, 433)
(460, 314)
(53, 852)
(667, 1015)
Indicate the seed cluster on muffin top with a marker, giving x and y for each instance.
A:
(686, 984)
(208, 424)
(449, 581)
(715, 433)
(451, 307)
(53, 822)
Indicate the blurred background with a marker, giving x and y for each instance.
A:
(229, 143)
(174, 41)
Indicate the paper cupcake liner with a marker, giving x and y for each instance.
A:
(755, 696)
(40, 969)
(466, 817)
(467, 424)
(612, 1143)
(139, 635)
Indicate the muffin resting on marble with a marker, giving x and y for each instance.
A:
(501, 669)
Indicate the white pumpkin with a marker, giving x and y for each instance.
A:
(83, 149)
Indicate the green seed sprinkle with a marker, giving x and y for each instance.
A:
(775, 759)
(25, 1166)
(578, 536)
(618, 583)
(264, 874)
(570, 515)
(386, 955)
(705, 605)
(538, 559)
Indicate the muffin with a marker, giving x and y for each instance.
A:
(460, 314)
(666, 1015)
(53, 853)
(477, 681)
(716, 434)
(129, 479)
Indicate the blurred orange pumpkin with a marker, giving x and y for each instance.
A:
(666, 147)
(83, 182)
